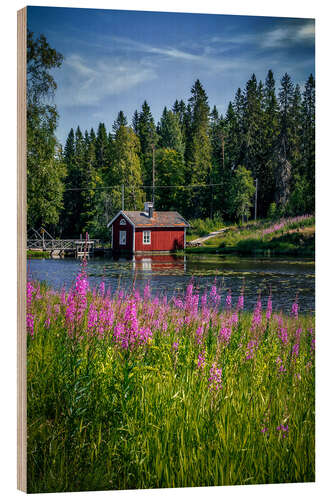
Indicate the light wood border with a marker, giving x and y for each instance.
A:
(21, 249)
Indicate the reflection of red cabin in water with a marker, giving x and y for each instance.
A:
(148, 231)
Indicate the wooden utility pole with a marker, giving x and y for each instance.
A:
(222, 144)
(153, 197)
(255, 202)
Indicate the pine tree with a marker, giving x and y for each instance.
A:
(170, 132)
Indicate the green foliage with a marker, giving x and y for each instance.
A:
(103, 418)
(169, 172)
(271, 133)
(272, 211)
(45, 168)
(170, 132)
(202, 227)
(241, 193)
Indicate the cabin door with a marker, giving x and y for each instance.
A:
(122, 237)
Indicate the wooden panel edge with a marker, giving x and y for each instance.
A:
(21, 250)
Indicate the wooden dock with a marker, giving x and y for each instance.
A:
(43, 241)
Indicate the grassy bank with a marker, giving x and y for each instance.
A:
(38, 254)
(136, 392)
(294, 236)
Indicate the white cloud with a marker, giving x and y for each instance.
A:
(307, 31)
(86, 82)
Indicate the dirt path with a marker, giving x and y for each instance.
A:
(200, 240)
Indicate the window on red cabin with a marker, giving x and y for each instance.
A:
(146, 237)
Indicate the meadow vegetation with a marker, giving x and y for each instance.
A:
(128, 391)
(285, 236)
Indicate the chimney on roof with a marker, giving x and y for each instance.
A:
(149, 209)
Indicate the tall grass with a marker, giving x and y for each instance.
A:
(201, 227)
(129, 392)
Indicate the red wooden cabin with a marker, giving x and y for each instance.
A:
(148, 231)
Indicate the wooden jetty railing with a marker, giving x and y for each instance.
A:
(80, 247)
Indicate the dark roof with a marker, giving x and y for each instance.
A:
(159, 219)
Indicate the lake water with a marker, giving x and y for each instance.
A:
(168, 274)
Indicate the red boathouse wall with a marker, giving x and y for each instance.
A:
(117, 227)
(162, 239)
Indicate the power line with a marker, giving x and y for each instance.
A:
(143, 187)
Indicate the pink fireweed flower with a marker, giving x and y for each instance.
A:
(201, 360)
(92, 317)
(199, 334)
(47, 321)
(56, 310)
(30, 291)
(280, 366)
(178, 303)
(30, 320)
(146, 292)
(228, 300)
(130, 318)
(204, 301)
(240, 303)
(284, 429)
(119, 333)
(179, 324)
(282, 332)
(251, 348)
(175, 346)
(70, 312)
(225, 334)
(144, 335)
(269, 308)
(214, 296)
(295, 351)
(234, 318)
(102, 289)
(256, 318)
(215, 379)
(313, 345)
(294, 309)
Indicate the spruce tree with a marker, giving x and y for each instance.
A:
(170, 132)
(284, 148)
(200, 151)
(102, 149)
(308, 139)
(270, 131)
(121, 121)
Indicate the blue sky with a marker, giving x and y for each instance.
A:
(114, 60)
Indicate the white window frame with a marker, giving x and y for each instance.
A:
(146, 237)
(122, 222)
(122, 235)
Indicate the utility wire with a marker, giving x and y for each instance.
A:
(143, 187)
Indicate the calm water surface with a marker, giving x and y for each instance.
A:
(170, 275)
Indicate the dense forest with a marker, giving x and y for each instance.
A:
(206, 164)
